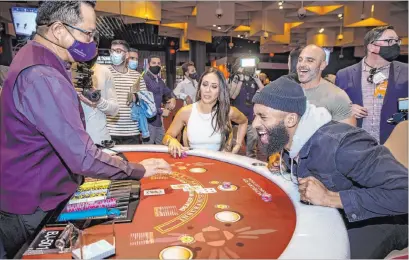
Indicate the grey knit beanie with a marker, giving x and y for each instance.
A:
(283, 94)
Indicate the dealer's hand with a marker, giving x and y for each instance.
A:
(358, 111)
(155, 166)
(175, 148)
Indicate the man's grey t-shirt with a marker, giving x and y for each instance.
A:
(334, 99)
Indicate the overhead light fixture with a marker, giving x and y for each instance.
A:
(219, 28)
(280, 3)
(340, 15)
(239, 35)
(214, 25)
(265, 35)
(321, 30)
(281, 7)
(340, 37)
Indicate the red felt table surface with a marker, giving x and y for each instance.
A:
(261, 229)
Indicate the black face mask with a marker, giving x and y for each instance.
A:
(193, 75)
(389, 53)
(154, 69)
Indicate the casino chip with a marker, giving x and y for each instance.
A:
(221, 206)
(186, 239)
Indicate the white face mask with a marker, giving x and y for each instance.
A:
(117, 59)
(246, 78)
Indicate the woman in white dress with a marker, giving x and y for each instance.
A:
(208, 120)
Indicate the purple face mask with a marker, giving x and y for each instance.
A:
(82, 52)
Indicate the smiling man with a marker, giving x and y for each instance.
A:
(319, 91)
(336, 166)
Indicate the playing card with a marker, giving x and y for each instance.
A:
(206, 190)
(154, 192)
(188, 188)
(179, 186)
(210, 190)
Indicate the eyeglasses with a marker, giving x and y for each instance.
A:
(390, 41)
(371, 74)
(117, 51)
(90, 34)
(94, 35)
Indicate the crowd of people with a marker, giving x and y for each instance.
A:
(329, 135)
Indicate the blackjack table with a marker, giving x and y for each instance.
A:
(213, 206)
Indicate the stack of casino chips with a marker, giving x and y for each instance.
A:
(90, 201)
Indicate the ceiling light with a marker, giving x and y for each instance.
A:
(321, 30)
(239, 35)
(280, 3)
(281, 7)
(218, 27)
(265, 35)
(214, 25)
(339, 15)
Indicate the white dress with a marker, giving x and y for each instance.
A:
(200, 131)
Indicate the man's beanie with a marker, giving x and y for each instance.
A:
(283, 94)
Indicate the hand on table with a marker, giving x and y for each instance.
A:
(175, 148)
(358, 111)
(313, 191)
(155, 166)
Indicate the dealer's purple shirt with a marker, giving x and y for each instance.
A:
(44, 148)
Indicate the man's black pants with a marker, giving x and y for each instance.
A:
(376, 238)
(15, 230)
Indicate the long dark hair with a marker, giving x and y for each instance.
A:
(220, 119)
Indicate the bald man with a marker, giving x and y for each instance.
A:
(319, 91)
